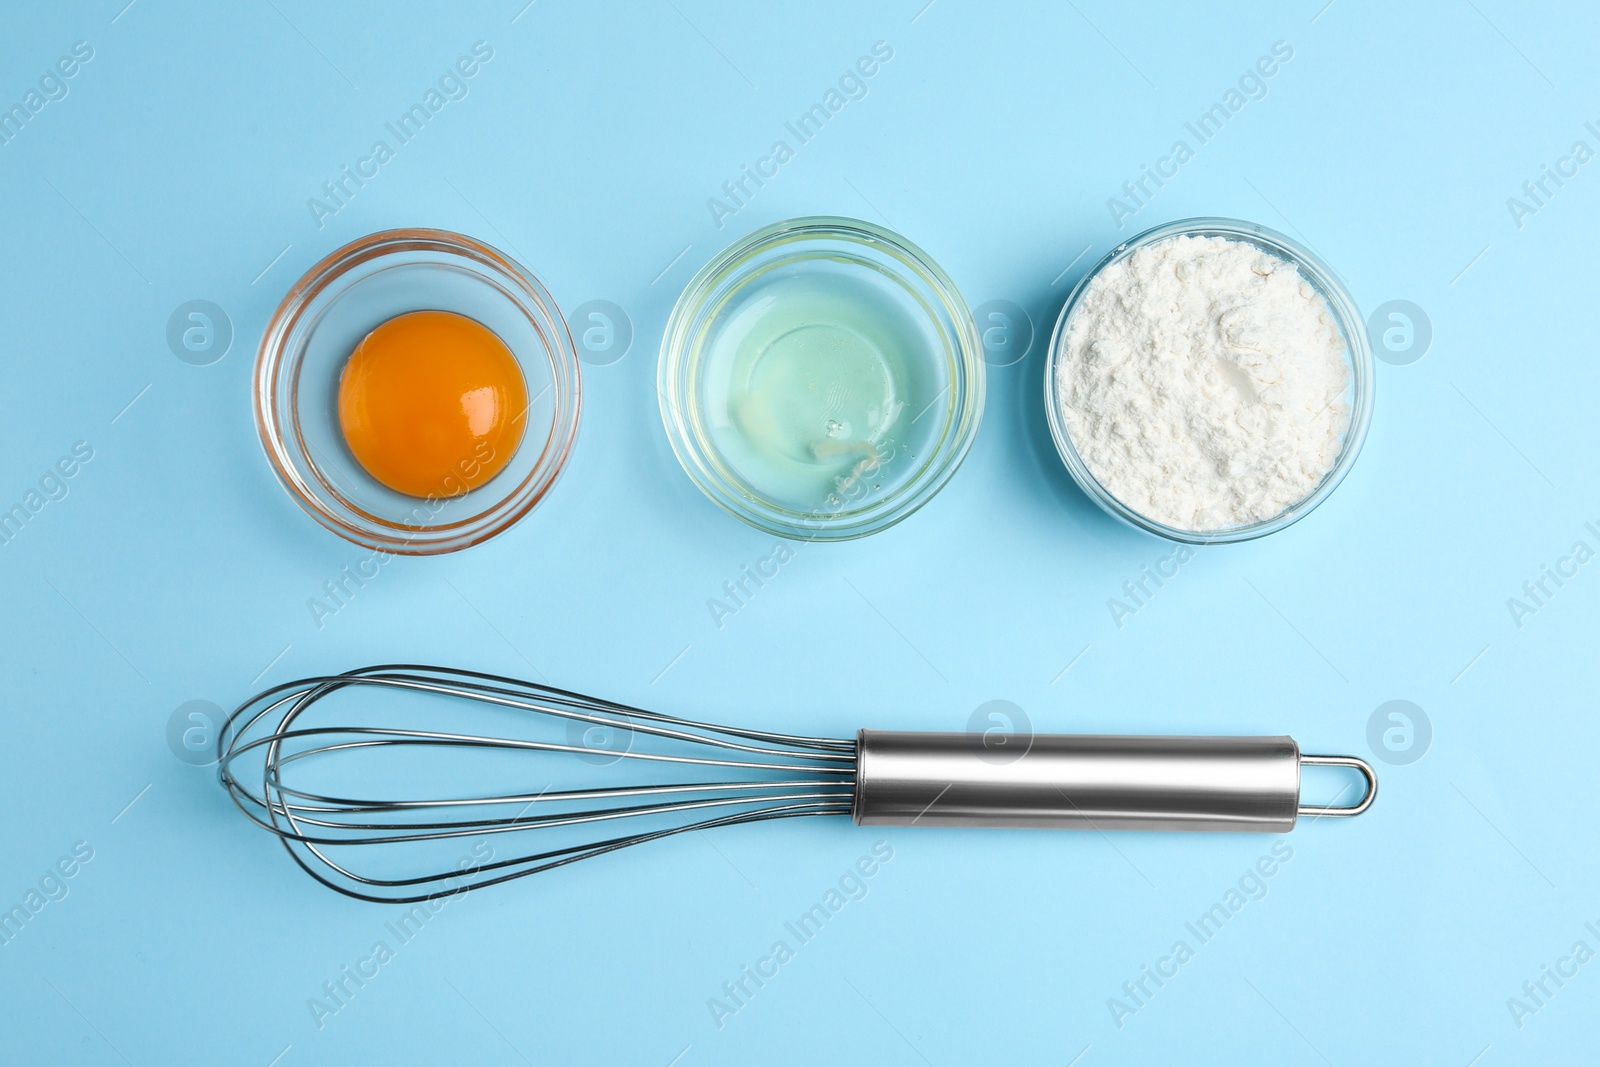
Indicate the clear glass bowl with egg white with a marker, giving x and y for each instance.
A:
(821, 378)
(1209, 381)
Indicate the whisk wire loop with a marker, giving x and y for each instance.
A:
(741, 776)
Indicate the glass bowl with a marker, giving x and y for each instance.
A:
(1358, 356)
(329, 311)
(821, 378)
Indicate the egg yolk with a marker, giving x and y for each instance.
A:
(432, 404)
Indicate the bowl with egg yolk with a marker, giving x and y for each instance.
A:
(417, 392)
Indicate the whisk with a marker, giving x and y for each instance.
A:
(386, 806)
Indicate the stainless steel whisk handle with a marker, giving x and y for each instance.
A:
(1074, 781)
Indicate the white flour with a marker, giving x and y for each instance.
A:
(1204, 383)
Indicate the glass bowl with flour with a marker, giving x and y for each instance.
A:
(1209, 381)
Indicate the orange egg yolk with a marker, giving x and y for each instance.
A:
(432, 404)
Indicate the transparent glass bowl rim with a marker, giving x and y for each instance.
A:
(278, 426)
(1358, 354)
(960, 428)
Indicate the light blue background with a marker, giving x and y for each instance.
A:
(179, 166)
